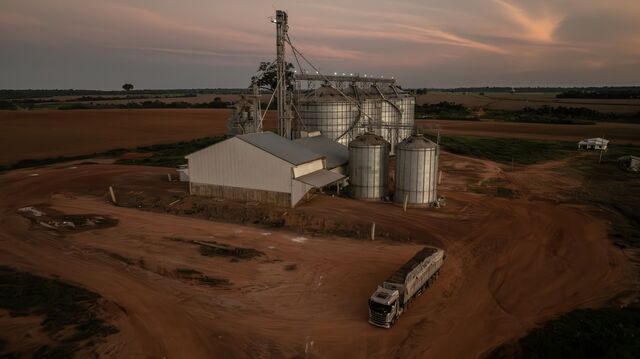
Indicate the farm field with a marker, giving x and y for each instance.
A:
(52, 133)
(199, 98)
(518, 101)
(618, 133)
(512, 263)
(487, 101)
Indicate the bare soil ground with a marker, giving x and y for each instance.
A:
(618, 133)
(52, 133)
(512, 263)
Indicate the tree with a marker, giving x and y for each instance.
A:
(127, 87)
(269, 77)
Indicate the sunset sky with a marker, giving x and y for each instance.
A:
(99, 44)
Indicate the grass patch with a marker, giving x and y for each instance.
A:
(164, 155)
(581, 334)
(444, 110)
(291, 267)
(616, 191)
(552, 115)
(213, 249)
(194, 275)
(63, 305)
(187, 272)
(214, 282)
(504, 192)
(506, 150)
(172, 154)
(53, 160)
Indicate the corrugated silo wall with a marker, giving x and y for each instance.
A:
(332, 119)
(416, 176)
(368, 172)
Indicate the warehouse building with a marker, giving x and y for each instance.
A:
(261, 167)
(335, 153)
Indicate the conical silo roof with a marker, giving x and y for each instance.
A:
(368, 139)
(416, 142)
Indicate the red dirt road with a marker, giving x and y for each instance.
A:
(511, 264)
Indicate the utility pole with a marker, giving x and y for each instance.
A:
(601, 148)
(284, 111)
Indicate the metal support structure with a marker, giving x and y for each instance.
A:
(257, 115)
(284, 111)
(343, 78)
(390, 116)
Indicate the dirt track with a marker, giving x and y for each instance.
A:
(511, 264)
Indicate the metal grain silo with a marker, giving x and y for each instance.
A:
(327, 111)
(408, 105)
(416, 172)
(369, 167)
(370, 115)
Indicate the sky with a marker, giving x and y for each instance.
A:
(101, 44)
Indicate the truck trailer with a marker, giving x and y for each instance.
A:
(391, 299)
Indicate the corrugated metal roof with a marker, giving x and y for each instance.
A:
(335, 153)
(280, 147)
(320, 178)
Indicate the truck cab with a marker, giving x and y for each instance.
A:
(384, 307)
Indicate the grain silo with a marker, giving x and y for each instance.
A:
(407, 104)
(369, 167)
(416, 172)
(328, 111)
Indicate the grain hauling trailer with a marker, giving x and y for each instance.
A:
(392, 298)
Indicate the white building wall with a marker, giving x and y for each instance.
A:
(306, 168)
(298, 190)
(341, 170)
(236, 163)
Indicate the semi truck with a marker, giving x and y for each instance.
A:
(393, 297)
